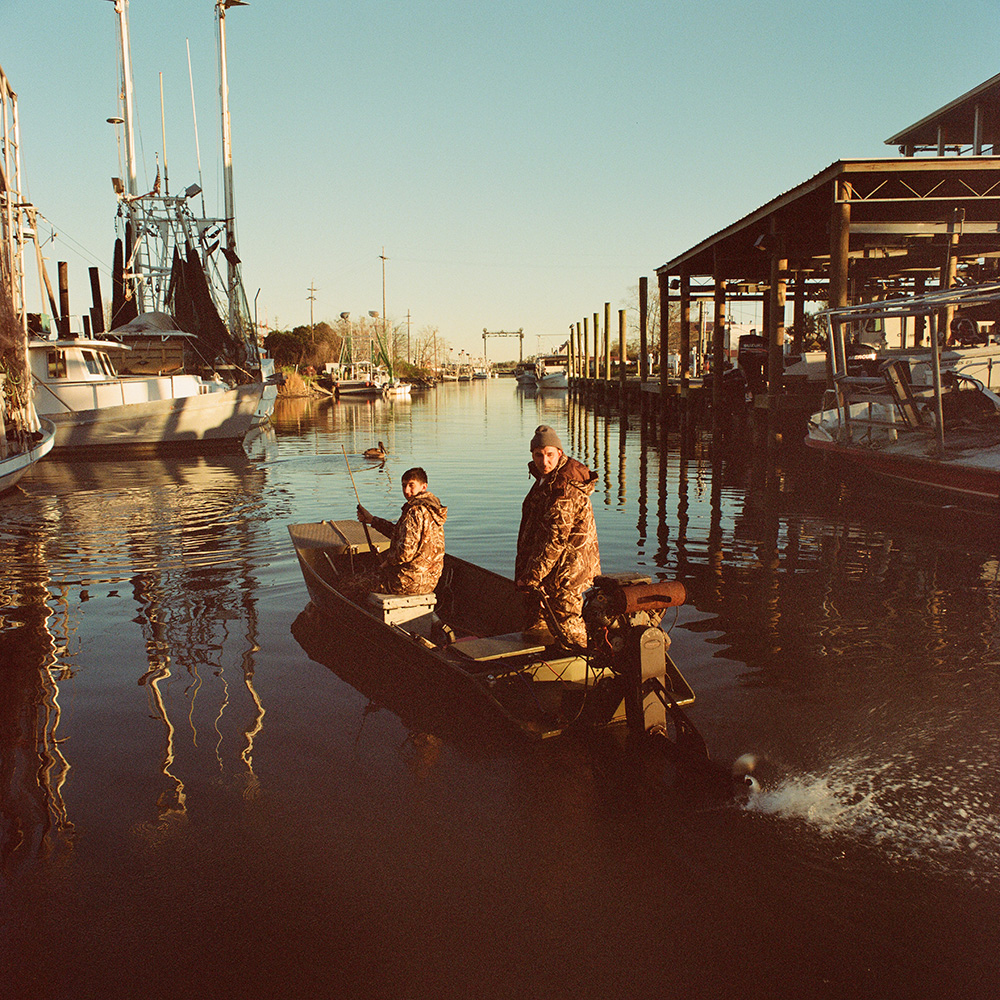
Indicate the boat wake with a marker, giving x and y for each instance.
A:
(950, 820)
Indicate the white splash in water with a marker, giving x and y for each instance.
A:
(950, 820)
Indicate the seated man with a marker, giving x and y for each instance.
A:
(413, 562)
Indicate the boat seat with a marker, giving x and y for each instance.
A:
(497, 647)
(897, 377)
(398, 608)
(338, 537)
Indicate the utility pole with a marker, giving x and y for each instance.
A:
(312, 298)
(384, 334)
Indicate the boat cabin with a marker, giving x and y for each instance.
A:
(74, 360)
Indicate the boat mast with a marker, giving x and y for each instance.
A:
(121, 9)
(232, 260)
(11, 203)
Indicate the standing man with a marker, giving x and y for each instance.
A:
(557, 542)
(413, 562)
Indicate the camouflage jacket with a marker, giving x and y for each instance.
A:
(413, 562)
(557, 540)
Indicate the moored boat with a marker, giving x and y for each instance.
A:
(524, 373)
(93, 408)
(552, 372)
(32, 440)
(358, 379)
(941, 435)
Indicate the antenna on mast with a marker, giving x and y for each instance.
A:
(163, 135)
(194, 116)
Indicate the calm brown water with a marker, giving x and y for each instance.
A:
(205, 791)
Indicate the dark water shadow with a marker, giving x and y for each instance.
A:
(424, 705)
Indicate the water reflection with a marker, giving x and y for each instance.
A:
(33, 767)
(428, 708)
(843, 631)
(94, 551)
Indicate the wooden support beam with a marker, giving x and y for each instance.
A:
(799, 312)
(664, 281)
(685, 366)
(643, 348)
(840, 235)
(622, 353)
(597, 346)
(718, 348)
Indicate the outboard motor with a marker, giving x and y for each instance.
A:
(623, 613)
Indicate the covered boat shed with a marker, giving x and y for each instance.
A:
(857, 231)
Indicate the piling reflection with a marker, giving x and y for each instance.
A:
(740, 526)
(33, 768)
(168, 547)
(805, 589)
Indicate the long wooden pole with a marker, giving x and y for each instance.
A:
(371, 548)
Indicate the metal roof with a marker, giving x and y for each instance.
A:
(901, 210)
(958, 120)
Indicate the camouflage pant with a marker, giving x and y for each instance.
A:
(566, 608)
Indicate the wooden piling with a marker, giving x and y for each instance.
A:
(607, 343)
(664, 282)
(799, 311)
(622, 358)
(97, 307)
(685, 366)
(840, 235)
(598, 353)
(718, 350)
(776, 337)
(63, 270)
(643, 359)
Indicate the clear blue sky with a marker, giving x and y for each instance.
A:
(521, 163)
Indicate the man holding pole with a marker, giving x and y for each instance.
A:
(413, 562)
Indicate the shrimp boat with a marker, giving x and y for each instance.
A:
(178, 300)
(467, 636)
(96, 410)
(916, 425)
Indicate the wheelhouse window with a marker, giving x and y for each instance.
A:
(90, 360)
(107, 365)
(57, 364)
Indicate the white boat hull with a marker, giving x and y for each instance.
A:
(212, 419)
(14, 467)
(551, 372)
(969, 468)
(94, 409)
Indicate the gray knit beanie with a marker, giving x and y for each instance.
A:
(545, 437)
